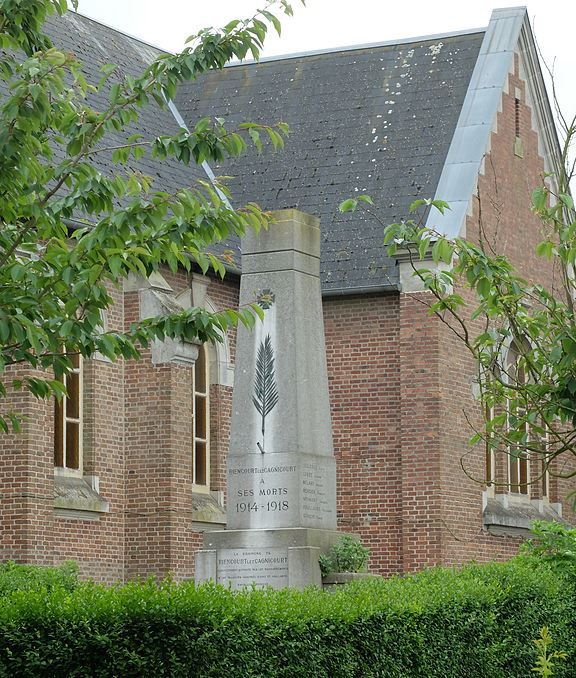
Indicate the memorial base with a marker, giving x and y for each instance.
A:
(278, 558)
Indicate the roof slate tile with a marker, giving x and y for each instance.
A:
(377, 120)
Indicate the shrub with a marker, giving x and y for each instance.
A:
(553, 542)
(476, 622)
(346, 555)
(16, 577)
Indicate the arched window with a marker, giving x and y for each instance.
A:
(68, 419)
(201, 422)
(545, 474)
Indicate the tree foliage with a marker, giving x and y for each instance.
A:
(68, 232)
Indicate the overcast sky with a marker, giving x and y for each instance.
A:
(334, 23)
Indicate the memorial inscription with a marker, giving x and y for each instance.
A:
(315, 501)
(239, 568)
(263, 495)
(267, 495)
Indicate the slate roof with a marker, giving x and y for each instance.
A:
(95, 45)
(374, 120)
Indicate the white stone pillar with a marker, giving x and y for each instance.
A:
(281, 475)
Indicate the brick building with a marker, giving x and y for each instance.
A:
(126, 475)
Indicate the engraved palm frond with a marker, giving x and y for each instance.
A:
(265, 390)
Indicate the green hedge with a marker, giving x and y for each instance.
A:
(16, 577)
(475, 622)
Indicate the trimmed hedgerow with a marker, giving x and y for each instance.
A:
(16, 577)
(475, 622)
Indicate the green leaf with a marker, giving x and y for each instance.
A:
(423, 247)
(540, 198)
(445, 251)
(255, 136)
(365, 198)
(545, 249)
(483, 287)
(55, 58)
(415, 206)
(566, 199)
(348, 205)
(273, 20)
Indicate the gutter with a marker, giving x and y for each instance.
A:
(369, 289)
(235, 272)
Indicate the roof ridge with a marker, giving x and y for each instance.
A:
(121, 32)
(352, 48)
(305, 53)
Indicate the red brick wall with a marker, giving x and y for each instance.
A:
(362, 335)
(420, 411)
(382, 354)
(223, 294)
(26, 476)
(401, 388)
(98, 546)
(30, 530)
(159, 534)
(502, 219)
(137, 439)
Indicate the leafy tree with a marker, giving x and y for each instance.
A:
(68, 233)
(480, 296)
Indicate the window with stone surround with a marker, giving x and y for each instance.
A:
(201, 422)
(544, 471)
(527, 471)
(68, 420)
(517, 478)
(490, 461)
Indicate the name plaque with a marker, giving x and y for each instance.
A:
(239, 568)
(315, 501)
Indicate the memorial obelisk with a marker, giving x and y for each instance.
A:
(281, 477)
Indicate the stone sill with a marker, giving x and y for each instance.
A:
(513, 516)
(208, 513)
(78, 498)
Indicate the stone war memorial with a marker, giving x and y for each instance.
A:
(281, 471)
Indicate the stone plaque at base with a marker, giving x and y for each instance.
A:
(275, 557)
(239, 568)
